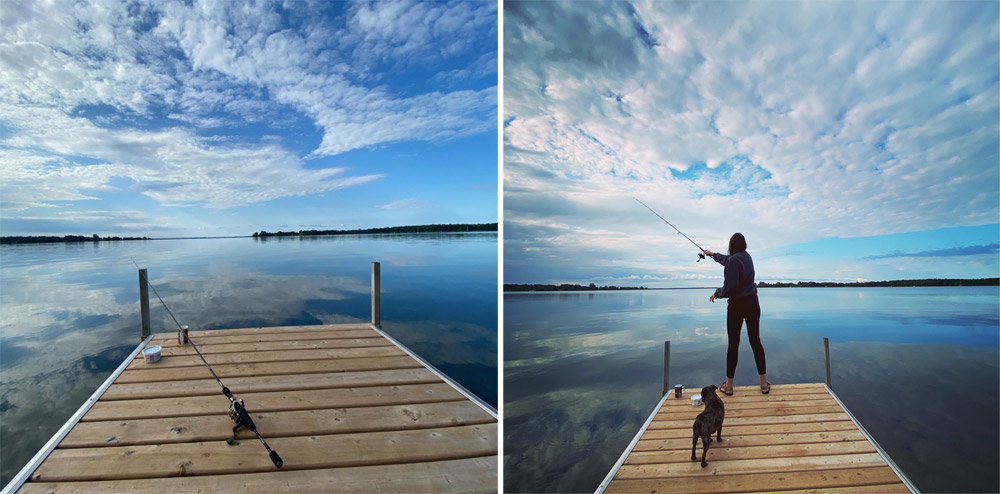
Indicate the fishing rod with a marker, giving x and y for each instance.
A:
(701, 255)
(237, 411)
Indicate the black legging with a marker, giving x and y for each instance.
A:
(747, 309)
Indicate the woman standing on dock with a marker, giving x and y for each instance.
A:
(740, 289)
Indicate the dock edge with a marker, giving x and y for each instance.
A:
(621, 459)
(36, 461)
(888, 459)
(444, 377)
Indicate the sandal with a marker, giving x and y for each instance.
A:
(765, 389)
(724, 391)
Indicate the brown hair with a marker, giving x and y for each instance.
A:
(737, 244)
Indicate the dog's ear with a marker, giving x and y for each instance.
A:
(713, 387)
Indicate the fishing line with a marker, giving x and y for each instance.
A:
(237, 411)
(700, 255)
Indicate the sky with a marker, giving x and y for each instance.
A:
(846, 140)
(211, 118)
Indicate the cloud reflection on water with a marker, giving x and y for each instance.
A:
(82, 300)
(570, 408)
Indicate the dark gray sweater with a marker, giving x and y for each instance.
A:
(739, 276)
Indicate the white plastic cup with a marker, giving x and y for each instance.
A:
(696, 400)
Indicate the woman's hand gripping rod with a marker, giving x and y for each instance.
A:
(701, 255)
(237, 411)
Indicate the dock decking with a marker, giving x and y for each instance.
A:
(346, 408)
(796, 439)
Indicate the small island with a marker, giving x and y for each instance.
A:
(565, 287)
(890, 283)
(449, 228)
(65, 238)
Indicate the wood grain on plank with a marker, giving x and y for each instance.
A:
(478, 474)
(783, 419)
(898, 488)
(247, 456)
(274, 401)
(760, 482)
(754, 440)
(728, 452)
(173, 361)
(168, 335)
(685, 401)
(218, 427)
(746, 430)
(268, 346)
(206, 387)
(833, 407)
(729, 467)
(791, 388)
(258, 337)
(172, 374)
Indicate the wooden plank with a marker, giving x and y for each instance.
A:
(172, 335)
(268, 346)
(218, 427)
(478, 474)
(254, 337)
(731, 409)
(784, 419)
(751, 392)
(171, 374)
(274, 401)
(310, 452)
(729, 467)
(784, 388)
(240, 385)
(899, 488)
(732, 440)
(760, 482)
(758, 412)
(685, 400)
(728, 452)
(273, 356)
(747, 430)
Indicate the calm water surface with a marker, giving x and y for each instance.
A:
(918, 367)
(70, 312)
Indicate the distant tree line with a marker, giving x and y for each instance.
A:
(924, 282)
(64, 238)
(565, 287)
(478, 227)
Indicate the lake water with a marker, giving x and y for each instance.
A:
(70, 312)
(918, 367)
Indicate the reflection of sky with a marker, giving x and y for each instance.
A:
(583, 370)
(438, 298)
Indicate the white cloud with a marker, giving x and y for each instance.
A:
(305, 70)
(173, 166)
(95, 80)
(410, 203)
(411, 29)
(837, 119)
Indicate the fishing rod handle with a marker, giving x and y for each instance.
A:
(276, 459)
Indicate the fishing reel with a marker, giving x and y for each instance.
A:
(238, 413)
(701, 255)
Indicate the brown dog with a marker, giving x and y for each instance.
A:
(707, 422)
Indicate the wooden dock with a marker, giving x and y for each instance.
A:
(348, 410)
(798, 438)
